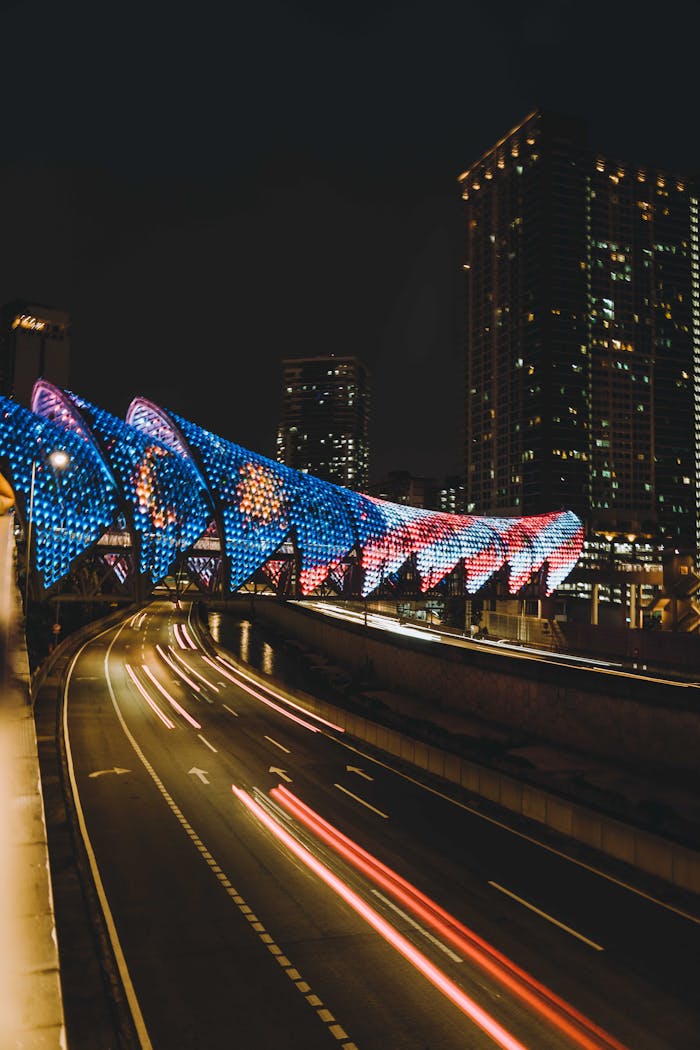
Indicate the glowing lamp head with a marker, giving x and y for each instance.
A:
(59, 458)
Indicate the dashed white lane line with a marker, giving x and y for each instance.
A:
(210, 746)
(361, 800)
(230, 710)
(544, 915)
(280, 746)
(325, 1015)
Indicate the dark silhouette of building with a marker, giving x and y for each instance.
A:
(400, 486)
(583, 318)
(34, 344)
(325, 419)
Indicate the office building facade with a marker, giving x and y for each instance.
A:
(324, 429)
(34, 344)
(583, 334)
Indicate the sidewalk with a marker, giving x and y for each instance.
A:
(31, 1008)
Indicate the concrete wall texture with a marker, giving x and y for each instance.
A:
(676, 864)
(647, 724)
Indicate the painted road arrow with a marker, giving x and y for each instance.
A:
(201, 773)
(280, 773)
(360, 772)
(101, 772)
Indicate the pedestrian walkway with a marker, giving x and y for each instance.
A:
(31, 1008)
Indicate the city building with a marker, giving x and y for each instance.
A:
(324, 429)
(583, 351)
(34, 344)
(451, 495)
(400, 486)
(583, 329)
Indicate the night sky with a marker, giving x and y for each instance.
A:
(211, 188)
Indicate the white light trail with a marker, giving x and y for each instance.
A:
(188, 717)
(163, 717)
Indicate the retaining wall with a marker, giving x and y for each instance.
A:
(643, 723)
(659, 857)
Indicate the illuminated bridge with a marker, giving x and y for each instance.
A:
(133, 503)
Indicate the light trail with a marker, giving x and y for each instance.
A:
(583, 1032)
(178, 639)
(163, 717)
(440, 980)
(173, 667)
(178, 707)
(259, 696)
(280, 696)
(191, 670)
(186, 636)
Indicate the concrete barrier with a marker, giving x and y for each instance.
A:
(672, 862)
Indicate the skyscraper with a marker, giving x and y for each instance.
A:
(34, 344)
(583, 334)
(325, 419)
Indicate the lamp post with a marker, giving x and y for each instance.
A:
(58, 459)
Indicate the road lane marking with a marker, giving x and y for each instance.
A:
(211, 746)
(101, 772)
(423, 965)
(549, 918)
(230, 710)
(361, 801)
(219, 874)
(171, 699)
(280, 773)
(201, 773)
(360, 772)
(519, 834)
(173, 667)
(280, 746)
(191, 670)
(134, 1007)
(421, 929)
(271, 692)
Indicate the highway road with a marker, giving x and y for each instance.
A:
(269, 883)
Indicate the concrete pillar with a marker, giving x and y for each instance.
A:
(594, 604)
(633, 605)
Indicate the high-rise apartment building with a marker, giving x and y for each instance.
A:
(34, 344)
(324, 428)
(583, 334)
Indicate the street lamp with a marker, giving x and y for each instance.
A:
(59, 459)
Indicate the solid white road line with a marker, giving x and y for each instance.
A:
(280, 746)
(361, 801)
(549, 918)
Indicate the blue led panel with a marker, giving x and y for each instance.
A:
(180, 485)
(168, 507)
(71, 506)
(252, 500)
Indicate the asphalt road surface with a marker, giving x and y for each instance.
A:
(267, 883)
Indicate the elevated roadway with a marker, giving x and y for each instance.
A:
(211, 806)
